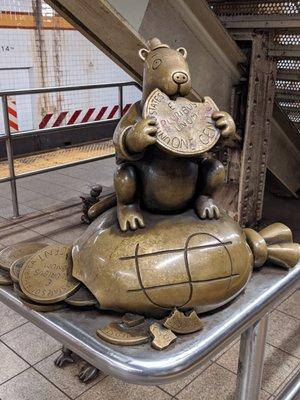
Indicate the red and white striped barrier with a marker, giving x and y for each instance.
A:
(51, 120)
(12, 115)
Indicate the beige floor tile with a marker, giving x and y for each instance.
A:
(66, 378)
(114, 389)
(286, 381)
(31, 343)
(47, 225)
(10, 364)
(284, 333)
(215, 358)
(230, 358)
(69, 194)
(215, 383)
(68, 236)
(43, 203)
(9, 319)
(277, 366)
(30, 385)
(18, 234)
(175, 387)
(291, 305)
(7, 212)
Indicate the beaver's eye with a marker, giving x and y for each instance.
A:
(156, 63)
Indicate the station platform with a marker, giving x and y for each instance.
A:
(27, 353)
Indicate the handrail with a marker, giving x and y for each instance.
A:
(9, 137)
(50, 89)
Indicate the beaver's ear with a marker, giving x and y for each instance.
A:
(143, 54)
(182, 51)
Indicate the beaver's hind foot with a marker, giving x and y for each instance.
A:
(130, 217)
(206, 208)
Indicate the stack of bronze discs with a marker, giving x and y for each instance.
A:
(41, 276)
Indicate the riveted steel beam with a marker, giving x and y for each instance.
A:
(261, 91)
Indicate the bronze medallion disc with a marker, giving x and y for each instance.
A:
(17, 251)
(82, 298)
(16, 268)
(113, 333)
(5, 279)
(185, 128)
(47, 276)
(19, 292)
(43, 307)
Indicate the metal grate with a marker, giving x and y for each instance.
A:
(288, 64)
(287, 40)
(287, 85)
(290, 104)
(257, 8)
(294, 116)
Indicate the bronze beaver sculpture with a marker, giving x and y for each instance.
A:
(190, 255)
(149, 178)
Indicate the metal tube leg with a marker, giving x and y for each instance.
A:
(121, 106)
(251, 359)
(10, 158)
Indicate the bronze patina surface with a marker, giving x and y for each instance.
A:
(180, 323)
(16, 268)
(167, 265)
(162, 337)
(43, 307)
(190, 257)
(16, 251)
(19, 292)
(46, 277)
(81, 298)
(114, 334)
(184, 128)
(178, 261)
(131, 320)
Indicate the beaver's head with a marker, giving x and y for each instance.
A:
(165, 69)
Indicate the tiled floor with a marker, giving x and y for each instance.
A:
(27, 371)
(40, 192)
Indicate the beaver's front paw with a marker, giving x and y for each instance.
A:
(206, 208)
(141, 135)
(130, 217)
(225, 123)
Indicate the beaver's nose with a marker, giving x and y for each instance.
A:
(180, 77)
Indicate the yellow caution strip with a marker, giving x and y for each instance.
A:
(58, 157)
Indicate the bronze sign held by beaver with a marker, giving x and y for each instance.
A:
(184, 128)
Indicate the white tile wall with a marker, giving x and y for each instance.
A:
(62, 57)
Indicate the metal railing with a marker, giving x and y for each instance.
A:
(9, 136)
